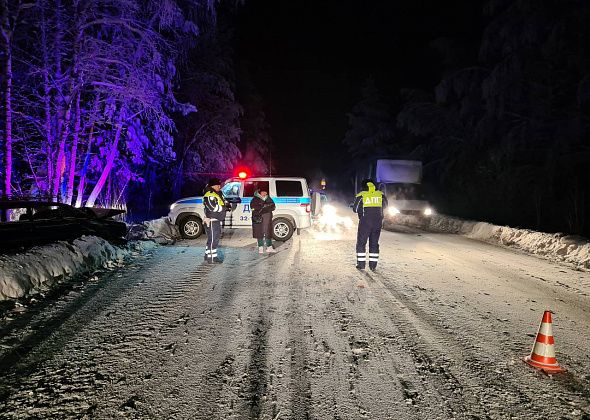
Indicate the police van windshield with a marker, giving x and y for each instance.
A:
(399, 191)
(231, 189)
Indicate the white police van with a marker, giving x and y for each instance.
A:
(291, 196)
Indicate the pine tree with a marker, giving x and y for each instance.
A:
(371, 126)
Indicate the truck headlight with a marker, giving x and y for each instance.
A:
(392, 211)
(428, 211)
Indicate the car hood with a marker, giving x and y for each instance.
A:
(102, 213)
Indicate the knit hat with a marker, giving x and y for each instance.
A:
(365, 183)
(214, 181)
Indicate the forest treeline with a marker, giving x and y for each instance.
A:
(106, 101)
(505, 138)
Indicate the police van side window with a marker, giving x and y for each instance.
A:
(251, 186)
(289, 189)
(231, 189)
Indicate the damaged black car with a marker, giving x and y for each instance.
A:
(29, 222)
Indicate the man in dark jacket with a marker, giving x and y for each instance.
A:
(369, 205)
(215, 208)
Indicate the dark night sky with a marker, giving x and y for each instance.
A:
(308, 59)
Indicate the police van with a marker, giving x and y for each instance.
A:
(291, 196)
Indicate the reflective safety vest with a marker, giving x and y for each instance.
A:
(371, 198)
(214, 194)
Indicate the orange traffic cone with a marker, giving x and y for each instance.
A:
(543, 354)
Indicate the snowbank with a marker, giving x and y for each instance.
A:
(159, 230)
(38, 268)
(570, 249)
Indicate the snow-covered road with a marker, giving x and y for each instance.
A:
(438, 332)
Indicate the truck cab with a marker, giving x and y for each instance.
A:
(401, 182)
(406, 198)
(291, 197)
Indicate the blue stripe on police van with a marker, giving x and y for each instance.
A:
(247, 200)
(282, 200)
(191, 201)
(292, 200)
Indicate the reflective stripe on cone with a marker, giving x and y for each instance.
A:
(543, 353)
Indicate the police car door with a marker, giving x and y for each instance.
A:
(232, 191)
(249, 187)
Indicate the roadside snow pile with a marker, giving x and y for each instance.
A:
(159, 230)
(40, 267)
(571, 249)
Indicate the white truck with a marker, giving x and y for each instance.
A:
(291, 197)
(401, 181)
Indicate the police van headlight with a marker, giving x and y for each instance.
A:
(428, 211)
(172, 206)
(392, 211)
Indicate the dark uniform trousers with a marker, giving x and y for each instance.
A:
(213, 231)
(369, 229)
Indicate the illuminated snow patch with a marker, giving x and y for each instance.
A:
(330, 225)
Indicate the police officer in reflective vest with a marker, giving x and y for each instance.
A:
(215, 208)
(369, 205)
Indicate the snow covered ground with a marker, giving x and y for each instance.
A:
(570, 249)
(439, 332)
(39, 268)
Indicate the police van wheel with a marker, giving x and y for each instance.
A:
(191, 227)
(282, 229)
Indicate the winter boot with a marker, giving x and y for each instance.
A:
(261, 250)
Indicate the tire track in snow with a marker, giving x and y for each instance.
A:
(299, 379)
(358, 350)
(478, 387)
(117, 324)
(299, 404)
(418, 393)
(257, 366)
(440, 346)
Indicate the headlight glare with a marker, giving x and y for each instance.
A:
(392, 211)
(428, 211)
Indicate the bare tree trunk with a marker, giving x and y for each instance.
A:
(80, 195)
(82, 181)
(113, 152)
(32, 168)
(6, 33)
(8, 124)
(46, 98)
(73, 153)
(63, 109)
(60, 163)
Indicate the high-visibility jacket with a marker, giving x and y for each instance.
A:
(215, 206)
(370, 203)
